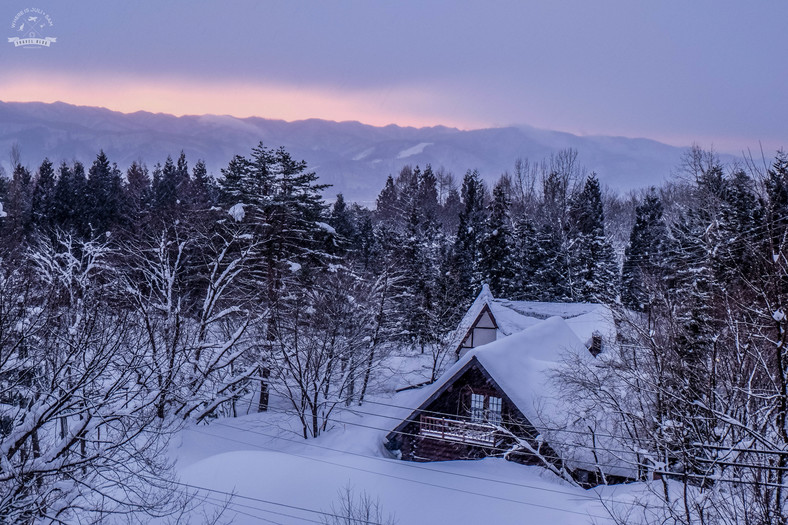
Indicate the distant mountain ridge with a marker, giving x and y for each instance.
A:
(355, 158)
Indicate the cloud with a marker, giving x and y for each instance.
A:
(403, 105)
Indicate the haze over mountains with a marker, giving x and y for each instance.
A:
(355, 158)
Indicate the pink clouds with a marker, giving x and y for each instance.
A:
(396, 105)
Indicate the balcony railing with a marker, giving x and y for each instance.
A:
(459, 431)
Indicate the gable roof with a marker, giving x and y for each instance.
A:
(518, 365)
(523, 366)
(511, 317)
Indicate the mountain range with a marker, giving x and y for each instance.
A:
(355, 158)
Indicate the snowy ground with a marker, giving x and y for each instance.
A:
(278, 477)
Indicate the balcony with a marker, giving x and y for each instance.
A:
(458, 431)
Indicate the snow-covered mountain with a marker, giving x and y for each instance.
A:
(354, 157)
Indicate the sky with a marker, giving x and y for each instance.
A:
(705, 72)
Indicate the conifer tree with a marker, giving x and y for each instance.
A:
(69, 199)
(340, 219)
(525, 261)
(104, 194)
(469, 234)
(777, 209)
(43, 196)
(282, 203)
(204, 191)
(19, 205)
(645, 257)
(450, 211)
(165, 191)
(182, 181)
(386, 204)
(427, 196)
(138, 190)
(551, 265)
(416, 284)
(495, 251)
(593, 261)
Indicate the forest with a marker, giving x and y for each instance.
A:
(133, 302)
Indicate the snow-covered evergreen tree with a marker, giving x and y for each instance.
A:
(645, 257)
(496, 264)
(593, 262)
(470, 232)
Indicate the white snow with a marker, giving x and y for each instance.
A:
(414, 150)
(2, 213)
(330, 229)
(275, 474)
(279, 477)
(364, 154)
(294, 266)
(237, 212)
(515, 316)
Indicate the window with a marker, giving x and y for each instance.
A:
(485, 409)
(477, 408)
(494, 410)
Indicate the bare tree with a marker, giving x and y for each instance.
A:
(357, 509)
(319, 344)
(80, 439)
(193, 331)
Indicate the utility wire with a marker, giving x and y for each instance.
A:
(489, 447)
(410, 480)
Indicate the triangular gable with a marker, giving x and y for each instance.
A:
(486, 321)
(472, 363)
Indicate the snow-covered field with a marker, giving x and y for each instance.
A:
(278, 477)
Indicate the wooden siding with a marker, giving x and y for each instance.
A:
(454, 403)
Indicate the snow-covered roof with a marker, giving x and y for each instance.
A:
(512, 317)
(524, 365)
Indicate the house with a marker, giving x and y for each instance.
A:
(501, 396)
(489, 319)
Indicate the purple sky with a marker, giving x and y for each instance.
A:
(711, 72)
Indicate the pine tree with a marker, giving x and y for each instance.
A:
(645, 257)
(551, 265)
(283, 205)
(495, 251)
(427, 196)
(165, 192)
(450, 211)
(416, 296)
(593, 261)
(182, 181)
(19, 205)
(342, 222)
(43, 196)
(233, 185)
(386, 205)
(138, 192)
(204, 190)
(69, 200)
(525, 261)
(407, 183)
(104, 194)
(777, 209)
(469, 234)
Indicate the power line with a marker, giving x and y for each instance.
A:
(410, 480)
(481, 478)
(251, 498)
(406, 464)
(490, 447)
(467, 418)
(232, 506)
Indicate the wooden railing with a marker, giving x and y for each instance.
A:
(460, 431)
